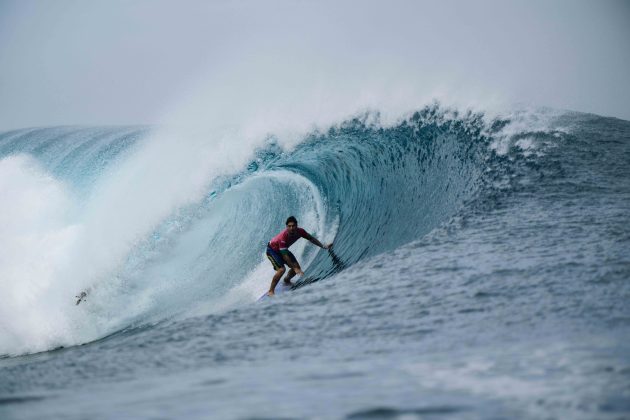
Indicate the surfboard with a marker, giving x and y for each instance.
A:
(280, 288)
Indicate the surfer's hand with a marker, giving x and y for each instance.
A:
(299, 272)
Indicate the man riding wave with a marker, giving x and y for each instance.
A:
(279, 254)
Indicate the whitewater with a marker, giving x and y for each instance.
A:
(480, 270)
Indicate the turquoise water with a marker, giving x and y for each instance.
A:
(481, 271)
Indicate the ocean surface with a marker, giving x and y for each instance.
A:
(480, 270)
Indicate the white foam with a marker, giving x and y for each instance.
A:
(523, 121)
(52, 251)
(35, 238)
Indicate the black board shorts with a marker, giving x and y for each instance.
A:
(276, 259)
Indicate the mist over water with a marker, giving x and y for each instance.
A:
(131, 62)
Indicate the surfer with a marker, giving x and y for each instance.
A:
(279, 254)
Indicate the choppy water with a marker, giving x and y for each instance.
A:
(483, 271)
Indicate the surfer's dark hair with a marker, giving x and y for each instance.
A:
(291, 219)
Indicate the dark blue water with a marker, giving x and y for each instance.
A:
(481, 269)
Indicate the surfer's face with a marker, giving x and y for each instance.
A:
(292, 227)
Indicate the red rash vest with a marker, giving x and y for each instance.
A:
(282, 241)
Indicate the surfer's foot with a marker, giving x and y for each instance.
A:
(270, 293)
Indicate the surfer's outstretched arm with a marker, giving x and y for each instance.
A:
(315, 241)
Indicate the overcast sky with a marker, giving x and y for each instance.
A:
(131, 62)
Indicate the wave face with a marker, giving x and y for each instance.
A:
(385, 187)
(104, 209)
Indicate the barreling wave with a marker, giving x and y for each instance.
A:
(369, 187)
